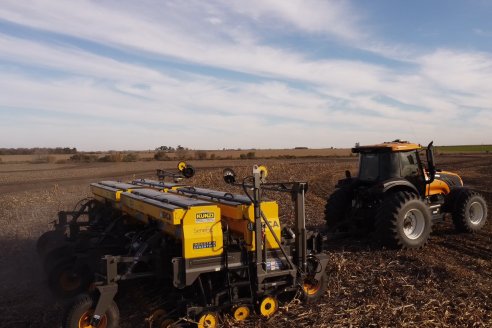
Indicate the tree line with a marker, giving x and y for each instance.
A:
(37, 150)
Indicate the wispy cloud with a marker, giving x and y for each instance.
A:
(211, 70)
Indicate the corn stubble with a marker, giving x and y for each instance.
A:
(446, 284)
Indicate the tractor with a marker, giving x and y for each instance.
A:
(396, 197)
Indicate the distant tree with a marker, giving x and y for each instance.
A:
(251, 154)
(161, 156)
(86, 158)
(181, 153)
(114, 157)
(37, 150)
(201, 154)
(130, 157)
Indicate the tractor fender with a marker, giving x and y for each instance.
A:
(345, 182)
(399, 185)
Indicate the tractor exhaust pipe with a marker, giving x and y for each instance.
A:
(430, 162)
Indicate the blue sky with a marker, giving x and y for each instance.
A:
(115, 74)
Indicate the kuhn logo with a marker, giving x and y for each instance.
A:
(205, 217)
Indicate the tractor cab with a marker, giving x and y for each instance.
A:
(395, 160)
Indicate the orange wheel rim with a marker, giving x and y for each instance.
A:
(85, 320)
(208, 320)
(311, 288)
(241, 313)
(268, 306)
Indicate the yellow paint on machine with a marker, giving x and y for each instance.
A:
(198, 227)
(109, 194)
(392, 146)
(240, 220)
(106, 193)
(202, 232)
(438, 186)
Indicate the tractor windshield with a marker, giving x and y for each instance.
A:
(369, 167)
(377, 166)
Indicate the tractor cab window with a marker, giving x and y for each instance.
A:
(409, 164)
(378, 166)
(369, 167)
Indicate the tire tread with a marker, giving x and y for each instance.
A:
(459, 214)
(386, 223)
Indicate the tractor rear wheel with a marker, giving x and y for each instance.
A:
(403, 221)
(337, 209)
(80, 312)
(470, 211)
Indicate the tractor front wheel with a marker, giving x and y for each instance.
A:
(403, 221)
(470, 211)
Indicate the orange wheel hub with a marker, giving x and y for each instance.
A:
(85, 320)
(311, 286)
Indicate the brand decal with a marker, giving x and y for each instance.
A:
(203, 230)
(203, 245)
(205, 217)
(273, 224)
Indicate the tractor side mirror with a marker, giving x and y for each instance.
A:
(229, 176)
(430, 161)
(348, 175)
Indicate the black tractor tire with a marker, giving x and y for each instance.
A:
(48, 241)
(449, 205)
(78, 312)
(68, 278)
(337, 209)
(403, 221)
(53, 257)
(312, 291)
(470, 211)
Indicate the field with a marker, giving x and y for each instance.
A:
(467, 149)
(447, 284)
(228, 154)
(188, 154)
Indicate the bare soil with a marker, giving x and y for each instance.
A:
(446, 284)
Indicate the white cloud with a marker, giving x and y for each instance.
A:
(290, 98)
(336, 18)
(459, 71)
